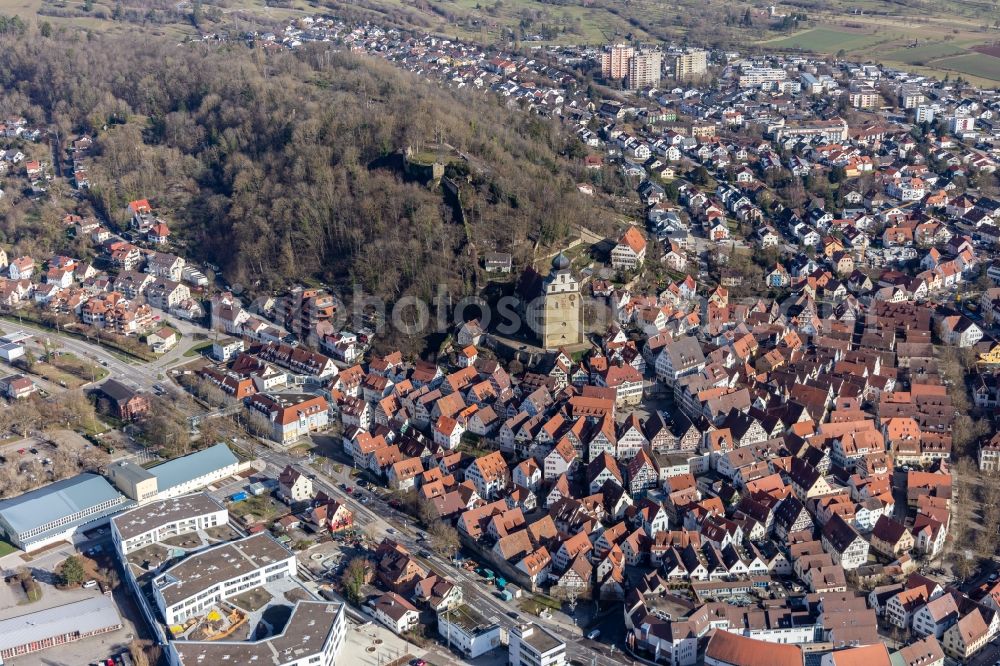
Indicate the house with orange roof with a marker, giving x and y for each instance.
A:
(528, 474)
(468, 356)
(630, 251)
(562, 459)
(900, 608)
(571, 548)
(919, 484)
(968, 636)
(626, 381)
(536, 565)
(489, 474)
(448, 432)
(292, 415)
(732, 649)
(405, 474)
(158, 233)
(864, 655)
(21, 268)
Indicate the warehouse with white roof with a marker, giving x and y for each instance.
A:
(60, 511)
(177, 477)
(71, 622)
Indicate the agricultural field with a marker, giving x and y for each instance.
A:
(975, 64)
(934, 46)
(921, 55)
(492, 21)
(827, 40)
(578, 23)
(952, 58)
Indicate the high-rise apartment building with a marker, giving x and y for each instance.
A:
(691, 63)
(644, 69)
(614, 61)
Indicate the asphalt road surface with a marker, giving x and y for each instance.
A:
(373, 516)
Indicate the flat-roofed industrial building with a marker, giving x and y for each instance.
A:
(47, 628)
(60, 511)
(177, 477)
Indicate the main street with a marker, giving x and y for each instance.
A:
(380, 520)
(376, 517)
(139, 374)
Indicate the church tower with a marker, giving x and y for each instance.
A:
(561, 306)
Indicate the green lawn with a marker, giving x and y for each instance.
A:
(975, 64)
(7, 548)
(532, 604)
(56, 375)
(825, 40)
(198, 350)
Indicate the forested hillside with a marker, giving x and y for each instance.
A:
(263, 162)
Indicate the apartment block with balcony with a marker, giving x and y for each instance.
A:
(202, 580)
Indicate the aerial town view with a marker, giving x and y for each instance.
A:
(513, 332)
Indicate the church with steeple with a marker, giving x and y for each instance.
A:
(554, 304)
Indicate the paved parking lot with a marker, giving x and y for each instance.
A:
(373, 644)
(227, 487)
(20, 451)
(10, 598)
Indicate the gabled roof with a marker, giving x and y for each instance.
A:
(839, 533)
(633, 239)
(729, 648)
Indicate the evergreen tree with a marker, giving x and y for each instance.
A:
(71, 571)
